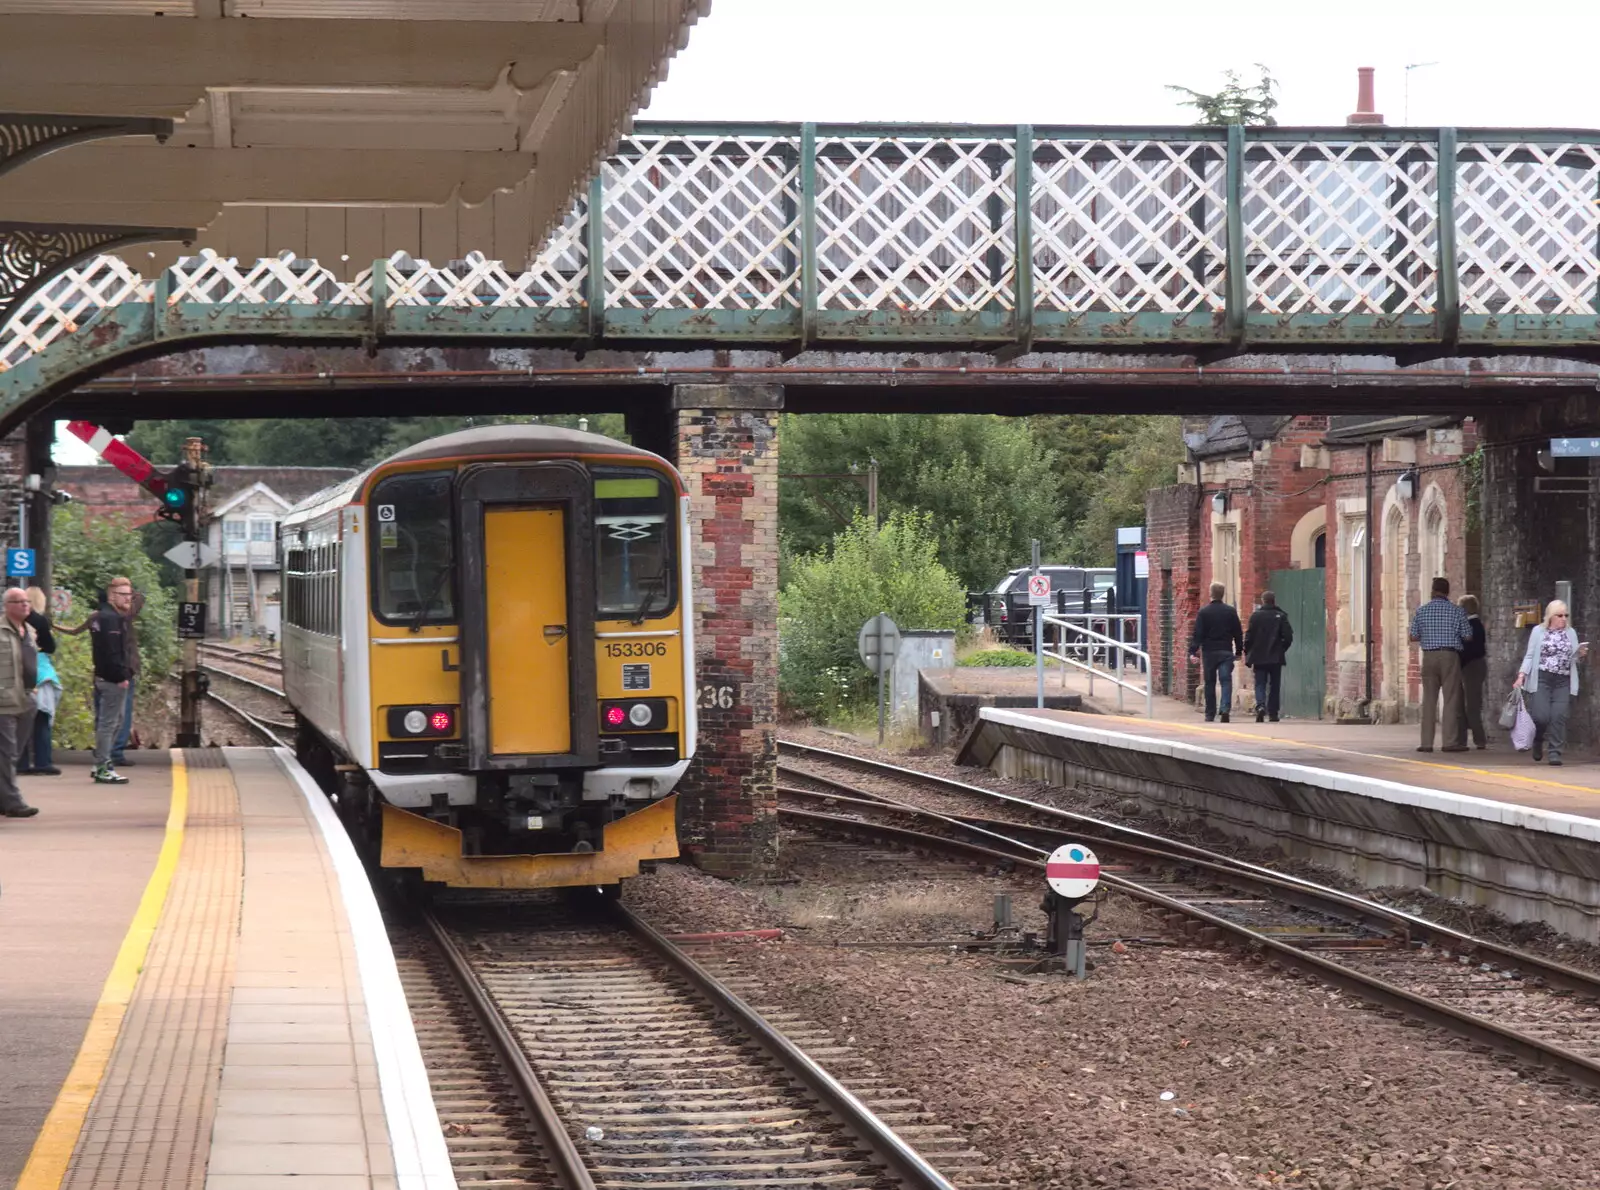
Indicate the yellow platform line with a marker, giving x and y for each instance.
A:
(52, 1150)
(1493, 774)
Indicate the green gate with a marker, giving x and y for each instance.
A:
(1302, 594)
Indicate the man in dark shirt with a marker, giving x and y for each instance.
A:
(1266, 648)
(1218, 641)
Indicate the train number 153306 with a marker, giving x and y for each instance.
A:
(636, 648)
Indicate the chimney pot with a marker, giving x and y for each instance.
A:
(1365, 104)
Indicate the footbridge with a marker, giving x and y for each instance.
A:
(1409, 244)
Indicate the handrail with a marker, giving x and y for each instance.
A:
(1091, 637)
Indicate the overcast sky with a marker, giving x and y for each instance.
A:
(1068, 62)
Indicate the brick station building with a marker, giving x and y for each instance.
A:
(1287, 504)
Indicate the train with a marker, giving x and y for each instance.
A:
(488, 647)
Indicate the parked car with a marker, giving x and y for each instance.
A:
(1010, 614)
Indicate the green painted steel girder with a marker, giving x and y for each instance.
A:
(892, 237)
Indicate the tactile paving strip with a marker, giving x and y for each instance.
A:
(150, 1124)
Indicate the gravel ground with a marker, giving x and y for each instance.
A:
(1274, 1081)
(1535, 937)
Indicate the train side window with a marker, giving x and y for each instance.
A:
(635, 577)
(413, 550)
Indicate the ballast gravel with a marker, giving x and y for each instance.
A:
(1273, 1080)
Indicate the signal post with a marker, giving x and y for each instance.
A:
(179, 493)
(189, 477)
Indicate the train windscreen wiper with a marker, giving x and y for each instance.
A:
(650, 587)
(427, 604)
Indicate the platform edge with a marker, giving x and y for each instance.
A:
(421, 1157)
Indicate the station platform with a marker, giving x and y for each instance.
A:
(198, 990)
(1488, 826)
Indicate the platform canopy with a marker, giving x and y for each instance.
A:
(341, 130)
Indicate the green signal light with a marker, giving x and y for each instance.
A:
(175, 497)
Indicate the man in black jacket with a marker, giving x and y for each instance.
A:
(1266, 642)
(108, 632)
(1218, 640)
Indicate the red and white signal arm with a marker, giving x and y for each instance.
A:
(1072, 871)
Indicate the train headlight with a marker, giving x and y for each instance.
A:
(615, 716)
(415, 722)
(639, 714)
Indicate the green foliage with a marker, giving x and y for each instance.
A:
(1235, 103)
(832, 592)
(1472, 475)
(987, 484)
(997, 659)
(86, 556)
(1149, 459)
(1084, 445)
(323, 441)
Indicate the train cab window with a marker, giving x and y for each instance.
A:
(634, 516)
(413, 548)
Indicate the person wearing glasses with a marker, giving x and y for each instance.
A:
(1549, 675)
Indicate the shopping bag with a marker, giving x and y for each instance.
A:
(1508, 713)
(1522, 734)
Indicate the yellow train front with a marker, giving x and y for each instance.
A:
(487, 644)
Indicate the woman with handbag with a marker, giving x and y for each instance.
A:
(1549, 674)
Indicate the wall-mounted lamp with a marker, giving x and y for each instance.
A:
(1406, 485)
(1219, 502)
(1546, 461)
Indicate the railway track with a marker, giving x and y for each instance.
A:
(595, 1053)
(267, 730)
(1535, 1010)
(263, 670)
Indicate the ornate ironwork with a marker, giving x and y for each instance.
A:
(1129, 225)
(35, 262)
(26, 136)
(1013, 238)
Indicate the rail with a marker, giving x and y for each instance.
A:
(984, 835)
(1014, 237)
(1087, 642)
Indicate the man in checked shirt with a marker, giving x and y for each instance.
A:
(1441, 628)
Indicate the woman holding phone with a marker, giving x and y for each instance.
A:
(1549, 674)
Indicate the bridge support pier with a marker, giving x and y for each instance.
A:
(1540, 528)
(727, 449)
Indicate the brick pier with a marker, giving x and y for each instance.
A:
(727, 449)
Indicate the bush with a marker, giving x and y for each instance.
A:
(85, 556)
(997, 658)
(832, 592)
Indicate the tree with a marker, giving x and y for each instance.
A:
(1083, 444)
(1235, 103)
(324, 441)
(866, 569)
(987, 483)
(1147, 460)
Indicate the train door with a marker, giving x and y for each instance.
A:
(527, 532)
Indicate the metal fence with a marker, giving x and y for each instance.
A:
(1023, 235)
(1072, 642)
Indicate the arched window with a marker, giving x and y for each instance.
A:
(1319, 550)
(1432, 544)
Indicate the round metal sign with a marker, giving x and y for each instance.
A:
(878, 643)
(1072, 871)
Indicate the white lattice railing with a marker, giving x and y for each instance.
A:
(923, 226)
